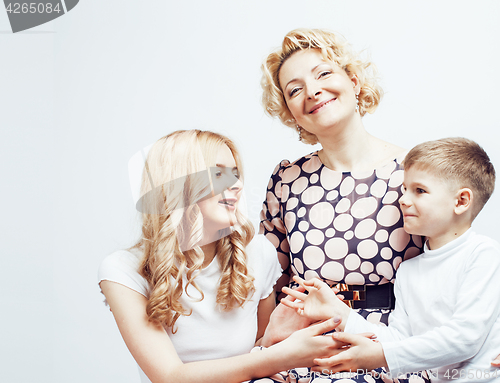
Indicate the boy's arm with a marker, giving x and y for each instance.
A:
(475, 312)
(399, 323)
(460, 338)
(364, 353)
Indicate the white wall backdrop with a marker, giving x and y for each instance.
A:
(81, 94)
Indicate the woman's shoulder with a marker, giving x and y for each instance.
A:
(310, 160)
(387, 152)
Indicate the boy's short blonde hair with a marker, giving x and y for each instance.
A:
(460, 162)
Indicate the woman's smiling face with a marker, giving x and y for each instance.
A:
(319, 93)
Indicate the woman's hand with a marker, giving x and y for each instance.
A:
(360, 352)
(319, 303)
(284, 321)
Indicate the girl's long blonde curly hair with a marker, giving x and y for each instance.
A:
(176, 177)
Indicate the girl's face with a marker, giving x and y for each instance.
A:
(320, 94)
(219, 211)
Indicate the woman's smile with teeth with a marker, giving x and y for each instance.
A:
(321, 105)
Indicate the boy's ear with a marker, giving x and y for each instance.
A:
(463, 200)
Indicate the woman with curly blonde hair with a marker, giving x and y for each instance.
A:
(196, 291)
(334, 213)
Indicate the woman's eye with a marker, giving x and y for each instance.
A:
(236, 173)
(218, 174)
(325, 73)
(293, 91)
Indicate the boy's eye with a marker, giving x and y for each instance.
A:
(420, 191)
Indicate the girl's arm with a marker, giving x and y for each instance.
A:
(151, 347)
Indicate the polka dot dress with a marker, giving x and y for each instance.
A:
(342, 227)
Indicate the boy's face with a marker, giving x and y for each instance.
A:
(427, 204)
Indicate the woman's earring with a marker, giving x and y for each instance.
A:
(300, 132)
(357, 103)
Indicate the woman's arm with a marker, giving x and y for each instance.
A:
(153, 350)
(266, 307)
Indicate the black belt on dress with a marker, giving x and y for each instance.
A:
(368, 297)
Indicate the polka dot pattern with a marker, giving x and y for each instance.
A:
(315, 237)
(303, 226)
(343, 222)
(341, 227)
(343, 205)
(344, 227)
(292, 203)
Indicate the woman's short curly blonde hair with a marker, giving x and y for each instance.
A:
(334, 48)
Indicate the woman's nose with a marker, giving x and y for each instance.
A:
(313, 91)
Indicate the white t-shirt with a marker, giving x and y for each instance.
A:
(208, 333)
(447, 313)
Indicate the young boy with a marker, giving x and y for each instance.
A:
(447, 310)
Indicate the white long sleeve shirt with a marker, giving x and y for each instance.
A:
(447, 310)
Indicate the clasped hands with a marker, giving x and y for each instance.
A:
(321, 303)
(300, 309)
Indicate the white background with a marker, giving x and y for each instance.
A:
(81, 94)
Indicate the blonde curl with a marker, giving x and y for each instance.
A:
(178, 225)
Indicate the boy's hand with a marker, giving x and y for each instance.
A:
(319, 303)
(363, 353)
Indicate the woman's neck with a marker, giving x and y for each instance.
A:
(354, 149)
(344, 149)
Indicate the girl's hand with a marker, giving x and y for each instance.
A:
(319, 303)
(363, 353)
